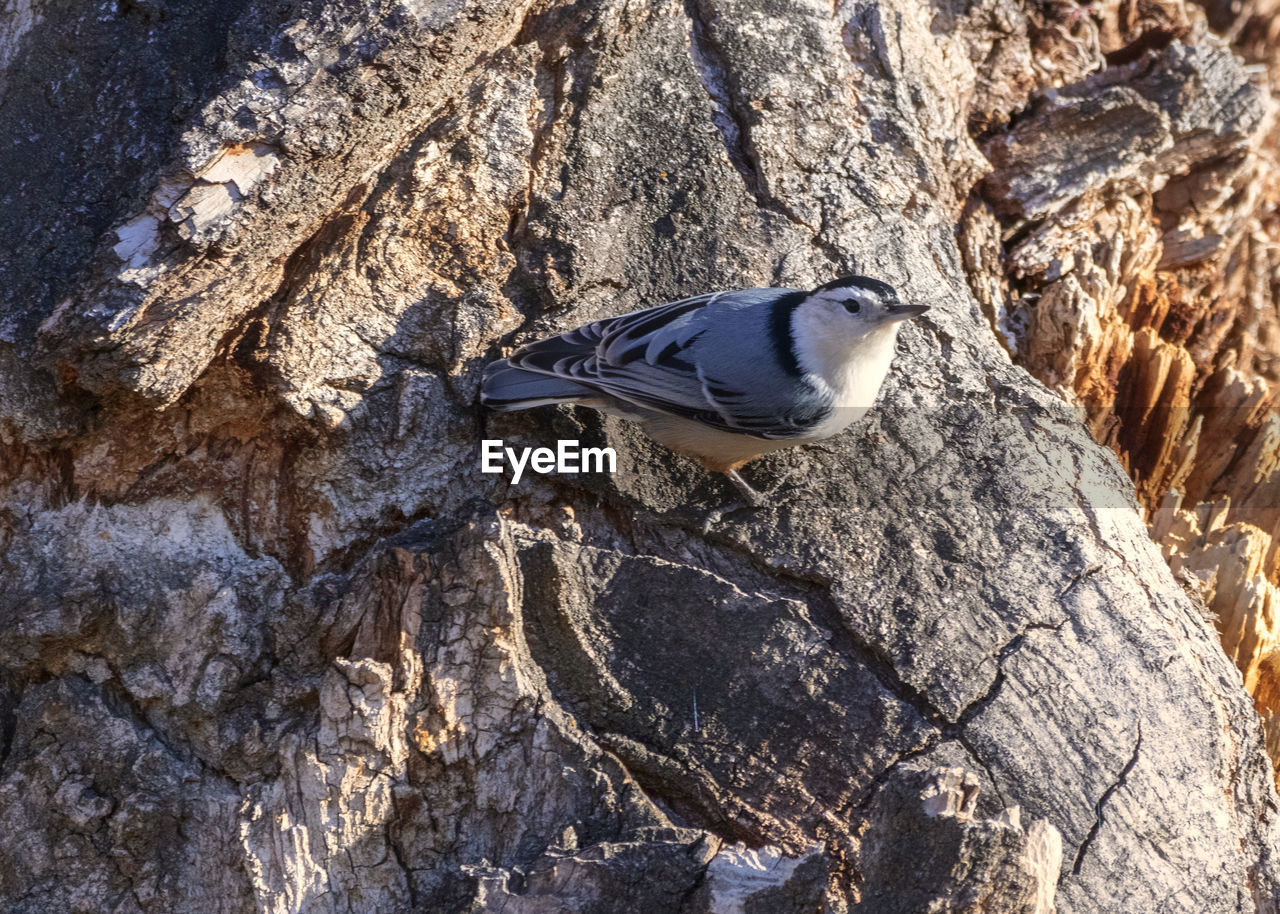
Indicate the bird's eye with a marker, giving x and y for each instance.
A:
(853, 306)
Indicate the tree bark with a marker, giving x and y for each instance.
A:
(275, 643)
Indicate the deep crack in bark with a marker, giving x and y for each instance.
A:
(1100, 806)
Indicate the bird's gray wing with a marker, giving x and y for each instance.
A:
(634, 357)
(649, 358)
(617, 340)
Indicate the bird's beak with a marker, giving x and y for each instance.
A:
(903, 312)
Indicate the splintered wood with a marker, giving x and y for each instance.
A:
(1142, 267)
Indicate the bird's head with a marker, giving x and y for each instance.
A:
(853, 306)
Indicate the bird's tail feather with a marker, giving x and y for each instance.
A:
(508, 387)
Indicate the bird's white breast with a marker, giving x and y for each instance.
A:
(853, 372)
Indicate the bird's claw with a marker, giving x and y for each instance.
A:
(716, 515)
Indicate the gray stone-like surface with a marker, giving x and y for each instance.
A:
(273, 642)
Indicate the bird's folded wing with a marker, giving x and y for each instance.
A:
(644, 358)
(617, 340)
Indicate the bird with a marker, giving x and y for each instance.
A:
(723, 377)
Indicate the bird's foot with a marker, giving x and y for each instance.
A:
(757, 498)
(749, 499)
(715, 516)
(753, 498)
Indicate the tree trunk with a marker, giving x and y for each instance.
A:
(275, 643)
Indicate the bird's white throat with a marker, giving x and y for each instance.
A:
(853, 368)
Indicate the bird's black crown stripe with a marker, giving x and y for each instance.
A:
(866, 283)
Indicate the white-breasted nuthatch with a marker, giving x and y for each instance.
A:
(723, 377)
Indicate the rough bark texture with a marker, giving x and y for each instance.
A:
(274, 643)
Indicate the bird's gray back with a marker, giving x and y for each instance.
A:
(738, 336)
(744, 359)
